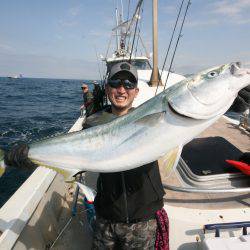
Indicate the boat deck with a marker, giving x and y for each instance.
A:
(239, 139)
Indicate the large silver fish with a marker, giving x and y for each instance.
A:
(161, 125)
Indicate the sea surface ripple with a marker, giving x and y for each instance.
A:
(32, 109)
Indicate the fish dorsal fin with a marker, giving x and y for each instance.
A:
(169, 161)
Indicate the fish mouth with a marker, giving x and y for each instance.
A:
(237, 70)
(235, 67)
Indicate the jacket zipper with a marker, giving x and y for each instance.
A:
(125, 198)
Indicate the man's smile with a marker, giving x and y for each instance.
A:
(120, 98)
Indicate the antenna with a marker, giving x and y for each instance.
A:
(117, 38)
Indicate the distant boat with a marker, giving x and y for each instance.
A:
(15, 77)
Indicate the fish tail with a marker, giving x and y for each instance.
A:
(68, 176)
(2, 165)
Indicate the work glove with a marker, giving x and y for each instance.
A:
(17, 156)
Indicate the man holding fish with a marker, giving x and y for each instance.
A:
(127, 201)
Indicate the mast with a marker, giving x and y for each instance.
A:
(154, 80)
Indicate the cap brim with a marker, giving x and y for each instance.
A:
(124, 74)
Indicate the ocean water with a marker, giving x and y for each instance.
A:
(31, 109)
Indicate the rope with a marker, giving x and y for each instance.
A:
(65, 227)
(145, 49)
(139, 31)
(128, 9)
(128, 27)
(170, 43)
(180, 35)
(59, 235)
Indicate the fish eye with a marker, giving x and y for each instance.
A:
(212, 74)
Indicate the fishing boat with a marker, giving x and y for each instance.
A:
(15, 77)
(207, 201)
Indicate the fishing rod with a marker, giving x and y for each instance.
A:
(180, 35)
(170, 43)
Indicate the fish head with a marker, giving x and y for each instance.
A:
(211, 92)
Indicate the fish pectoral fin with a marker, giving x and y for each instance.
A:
(151, 119)
(68, 174)
(169, 161)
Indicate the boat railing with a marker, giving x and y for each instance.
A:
(206, 190)
(218, 226)
(83, 112)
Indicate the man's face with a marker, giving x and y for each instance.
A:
(85, 88)
(121, 98)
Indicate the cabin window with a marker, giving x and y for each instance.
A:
(140, 64)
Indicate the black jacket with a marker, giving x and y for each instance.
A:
(128, 196)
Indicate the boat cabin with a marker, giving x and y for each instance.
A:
(141, 63)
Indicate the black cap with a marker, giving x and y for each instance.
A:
(123, 68)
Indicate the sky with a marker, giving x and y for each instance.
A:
(64, 38)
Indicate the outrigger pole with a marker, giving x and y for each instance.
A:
(154, 80)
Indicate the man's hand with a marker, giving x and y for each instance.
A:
(82, 107)
(17, 156)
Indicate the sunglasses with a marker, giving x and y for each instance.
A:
(125, 83)
(84, 87)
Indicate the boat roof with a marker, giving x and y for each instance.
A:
(126, 58)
